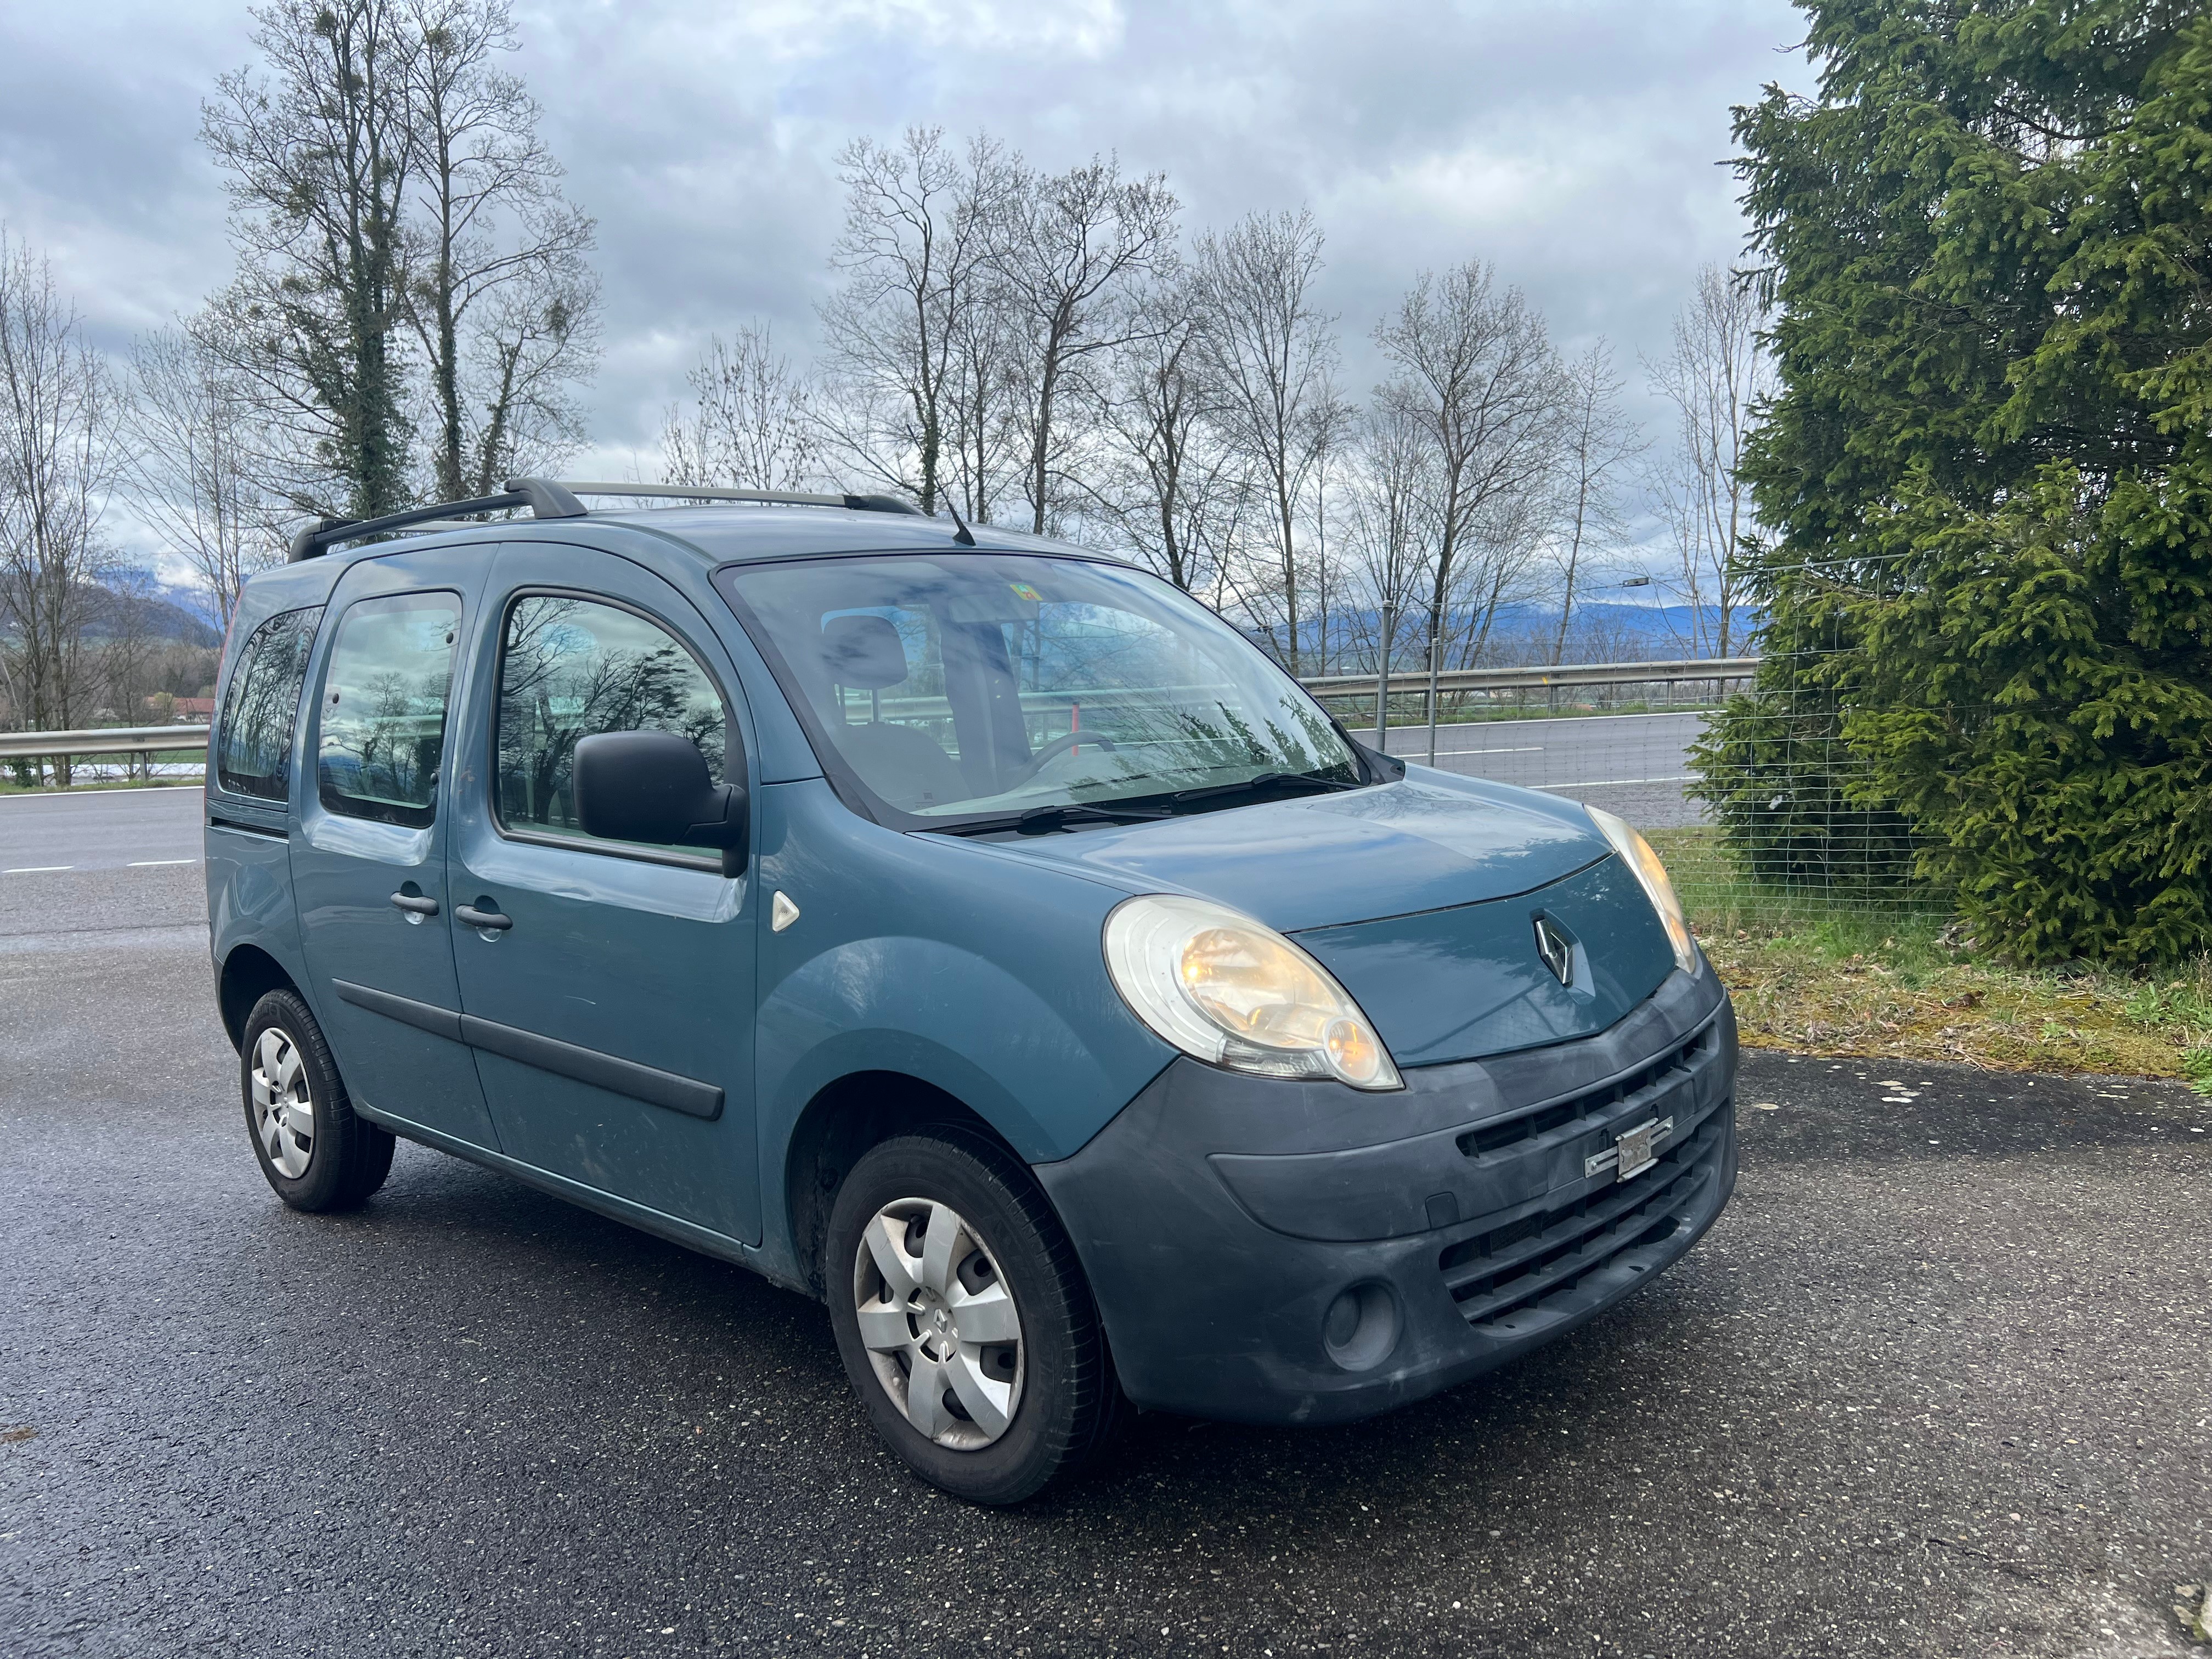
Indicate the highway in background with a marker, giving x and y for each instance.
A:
(1636, 765)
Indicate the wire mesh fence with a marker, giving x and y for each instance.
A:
(1769, 832)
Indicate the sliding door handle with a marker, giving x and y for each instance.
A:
(489, 922)
(415, 904)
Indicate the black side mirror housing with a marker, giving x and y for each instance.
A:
(654, 787)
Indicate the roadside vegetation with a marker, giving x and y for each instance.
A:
(1872, 977)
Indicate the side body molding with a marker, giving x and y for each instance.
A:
(624, 1077)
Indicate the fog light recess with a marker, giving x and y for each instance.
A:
(1361, 1327)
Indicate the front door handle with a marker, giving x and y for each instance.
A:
(490, 921)
(415, 904)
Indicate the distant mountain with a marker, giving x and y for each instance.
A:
(117, 613)
(1604, 631)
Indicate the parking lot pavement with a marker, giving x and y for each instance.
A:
(1936, 1383)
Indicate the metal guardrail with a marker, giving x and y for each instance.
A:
(101, 740)
(1407, 681)
(153, 739)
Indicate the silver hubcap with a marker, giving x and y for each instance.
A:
(938, 1323)
(283, 1108)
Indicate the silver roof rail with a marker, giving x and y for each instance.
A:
(769, 497)
(548, 498)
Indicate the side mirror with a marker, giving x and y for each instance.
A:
(653, 786)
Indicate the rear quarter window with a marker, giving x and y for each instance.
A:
(254, 747)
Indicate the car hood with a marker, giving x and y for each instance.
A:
(1422, 843)
(1421, 898)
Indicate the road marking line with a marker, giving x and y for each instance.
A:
(1534, 749)
(1607, 783)
(35, 869)
(148, 864)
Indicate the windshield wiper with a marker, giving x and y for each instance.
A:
(1040, 820)
(1265, 783)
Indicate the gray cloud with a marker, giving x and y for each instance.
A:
(1573, 144)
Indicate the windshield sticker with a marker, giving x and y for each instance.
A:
(1024, 591)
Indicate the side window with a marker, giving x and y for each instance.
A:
(571, 668)
(253, 756)
(384, 708)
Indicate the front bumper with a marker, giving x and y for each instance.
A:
(1256, 1254)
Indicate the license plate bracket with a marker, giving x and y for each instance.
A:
(1632, 1151)
(1638, 1152)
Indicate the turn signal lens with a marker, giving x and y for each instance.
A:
(1234, 992)
(1636, 853)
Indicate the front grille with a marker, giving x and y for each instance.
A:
(1512, 1135)
(1501, 1277)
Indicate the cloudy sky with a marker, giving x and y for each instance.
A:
(1573, 143)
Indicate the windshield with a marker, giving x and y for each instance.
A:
(981, 685)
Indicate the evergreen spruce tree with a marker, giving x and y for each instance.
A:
(1989, 473)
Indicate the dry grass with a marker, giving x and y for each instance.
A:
(1887, 982)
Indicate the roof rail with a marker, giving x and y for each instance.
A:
(548, 500)
(772, 497)
(545, 499)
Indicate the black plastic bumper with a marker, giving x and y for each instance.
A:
(1261, 1253)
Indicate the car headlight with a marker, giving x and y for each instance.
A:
(1236, 994)
(1636, 853)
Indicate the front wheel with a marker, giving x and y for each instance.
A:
(317, 1153)
(963, 1319)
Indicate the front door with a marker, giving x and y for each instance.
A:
(606, 986)
(368, 848)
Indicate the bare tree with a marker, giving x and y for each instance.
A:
(1066, 248)
(984, 400)
(58, 455)
(1274, 352)
(1597, 442)
(752, 425)
(1392, 493)
(192, 458)
(1164, 481)
(1715, 377)
(502, 300)
(1476, 372)
(915, 254)
(318, 152)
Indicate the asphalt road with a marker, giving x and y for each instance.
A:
(99, 829)
(1636, 765)
(1936, 1383)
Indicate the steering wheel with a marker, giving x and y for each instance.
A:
(1058, 746)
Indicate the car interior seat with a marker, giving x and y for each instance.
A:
(903, 763)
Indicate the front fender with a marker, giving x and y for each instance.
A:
(941, 1014)
(924, 954)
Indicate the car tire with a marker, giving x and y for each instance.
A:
(1065, 1398)
(316, 1151)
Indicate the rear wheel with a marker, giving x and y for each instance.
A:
(963, 1318)
(317, 1153)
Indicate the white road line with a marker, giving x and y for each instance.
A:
(1534, 749)
(35, 869)
(148, 864)
(1606, 783)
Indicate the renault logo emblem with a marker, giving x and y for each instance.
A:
(1557, 950)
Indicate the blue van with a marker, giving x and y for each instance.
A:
(965, 929)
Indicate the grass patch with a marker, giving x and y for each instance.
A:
(1878, 976)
